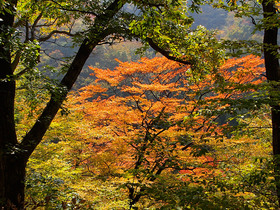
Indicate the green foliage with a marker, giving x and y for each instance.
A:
(46, 191)
(113, 163)
(171, 31)
(195, 194)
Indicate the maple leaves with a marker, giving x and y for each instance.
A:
(154, 123)
(139, 91)
(148, 118)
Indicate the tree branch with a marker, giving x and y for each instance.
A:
(75, 10)
(16, 60)
(33, 28)
(45, 38)
(35, 135)
(166, 53)
(145, 2)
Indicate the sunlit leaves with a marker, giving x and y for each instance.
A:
(146, 117)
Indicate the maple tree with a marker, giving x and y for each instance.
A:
(145, 120)
(24, 26)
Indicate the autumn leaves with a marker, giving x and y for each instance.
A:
(154, 117)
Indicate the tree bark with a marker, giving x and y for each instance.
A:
(12, 170)
(273, 75)
(12, 182)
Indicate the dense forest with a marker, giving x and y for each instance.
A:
(131, 104)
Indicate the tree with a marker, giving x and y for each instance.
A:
(104, 20)
(148, 120)
(268, 9)
(273, 75)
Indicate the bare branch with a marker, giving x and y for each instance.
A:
(253, 20)
(47, 24)
(33, 28)
(26, 31)
(42, 39)
(187, 146)
(18, 52)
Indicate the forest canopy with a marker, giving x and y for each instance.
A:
(153, 123)
(176, 105)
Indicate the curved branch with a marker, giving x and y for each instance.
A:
(166, 53)
(33, 28)
(42, 39)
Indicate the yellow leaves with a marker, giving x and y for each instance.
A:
(122, 112)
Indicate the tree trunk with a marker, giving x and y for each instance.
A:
(12, 182)
(273, 75)
(12, 166)
(276, 147)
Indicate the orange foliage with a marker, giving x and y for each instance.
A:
(148, 105)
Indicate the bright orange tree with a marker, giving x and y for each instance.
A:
(149, 118)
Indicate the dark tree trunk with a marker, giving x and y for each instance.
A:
(273, 75)
(12, 182)
(12, 166)
(276, 147)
